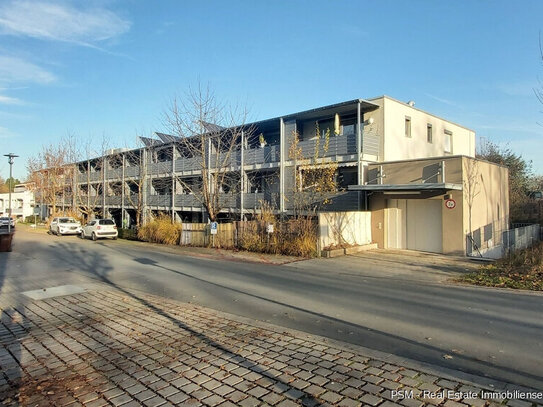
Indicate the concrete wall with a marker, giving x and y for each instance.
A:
(396, 146)
(490, 206)
(336, 228)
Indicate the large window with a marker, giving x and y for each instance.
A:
(407, 126)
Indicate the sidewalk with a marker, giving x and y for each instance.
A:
(113, 347)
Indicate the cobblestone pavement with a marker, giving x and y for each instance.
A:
(123, 348)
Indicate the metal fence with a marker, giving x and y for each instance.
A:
(495, 240)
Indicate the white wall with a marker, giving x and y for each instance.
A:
(396, 146)
(27, 210)
(344, 227)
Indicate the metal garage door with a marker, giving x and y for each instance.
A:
(415, 224)
(424, 226)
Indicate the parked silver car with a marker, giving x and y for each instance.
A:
(65, 226)
(99, 228)
(5, 221)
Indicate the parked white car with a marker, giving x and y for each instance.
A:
(5, 221)
(99, 228)
(65, 226)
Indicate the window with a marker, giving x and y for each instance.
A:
(448, 141)
(407, 126)
(429, 135)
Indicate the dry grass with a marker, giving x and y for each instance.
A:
(296, 237)
(522, 270)
(160, 230)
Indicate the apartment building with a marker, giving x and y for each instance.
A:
(22, 202)
(410, 168)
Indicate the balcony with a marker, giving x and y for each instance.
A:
(131, 171)
(254, 200)
(159, 200)
(92, 176)
(164, 167)
(188, 164)
(424, 171)
(268, 154)
(187, 200)
(114, 200)
(337, 146)
(114, 173)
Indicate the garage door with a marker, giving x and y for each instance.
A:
(414, 224)
(423, 225)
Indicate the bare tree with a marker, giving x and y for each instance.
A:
(472, 187)
(136, 178)
(210, 133)
(47, 170)
(89, 162)
(315, 180)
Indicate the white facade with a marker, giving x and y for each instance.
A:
(409, 133)
(22, 203)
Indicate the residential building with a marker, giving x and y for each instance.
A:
(22, 202)
(410, 168)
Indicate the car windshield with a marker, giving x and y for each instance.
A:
(106, 222)
(67, 220)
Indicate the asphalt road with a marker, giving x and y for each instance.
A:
(487, 332)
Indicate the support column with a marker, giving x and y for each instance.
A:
(123, 189)
(174, 156)
(143, 182)
(360, 177)
(104, 171)
(282, 143)
(242, 176)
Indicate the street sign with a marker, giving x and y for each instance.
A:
(269, 228)
(450, 203)
(213, 228)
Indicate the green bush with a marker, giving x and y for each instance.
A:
(32, 219)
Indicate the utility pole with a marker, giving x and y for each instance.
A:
(11, 157)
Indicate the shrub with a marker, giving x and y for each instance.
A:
(160, 230)
(522, 269)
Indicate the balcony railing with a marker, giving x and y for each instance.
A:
(255, 200)
(267, 154)
(159, 200)
(337, 146)
(188, 164)
(114, 173)
(164, 167)
(131, 171)
(186, 200)
(114, 200)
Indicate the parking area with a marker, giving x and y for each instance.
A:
(400, 264)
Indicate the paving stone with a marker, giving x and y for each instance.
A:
(371, 399)
(230, 364)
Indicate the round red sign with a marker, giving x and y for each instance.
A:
(450, 203)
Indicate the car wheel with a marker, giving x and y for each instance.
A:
(94, 237)
(115, 238)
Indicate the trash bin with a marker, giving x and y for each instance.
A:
(5, 240)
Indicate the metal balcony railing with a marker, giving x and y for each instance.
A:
(261, 155)
(159, 200)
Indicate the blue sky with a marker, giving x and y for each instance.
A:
(110, 68)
